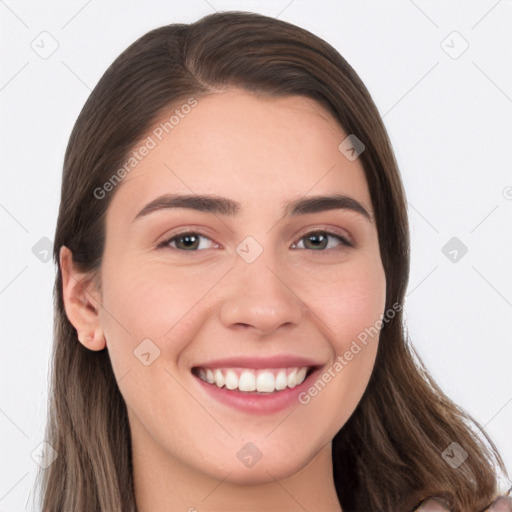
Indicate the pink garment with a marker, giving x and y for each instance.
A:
(433, 504)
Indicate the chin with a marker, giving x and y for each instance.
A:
(260, 472)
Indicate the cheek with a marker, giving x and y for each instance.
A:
(151, 298)
(151, 301)
(350, 305)
(348, 299)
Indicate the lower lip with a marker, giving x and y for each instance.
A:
(258, 404)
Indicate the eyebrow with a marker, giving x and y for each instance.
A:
(225, 206)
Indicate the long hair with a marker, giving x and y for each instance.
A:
(388, 455)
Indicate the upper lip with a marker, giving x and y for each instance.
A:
(278, 361)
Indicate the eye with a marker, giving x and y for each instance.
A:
(319, 241)
(185, 241)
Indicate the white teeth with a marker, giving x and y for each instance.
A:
(292, 378)
(265, 382)
(281, 380)
(301, 375)
(219, 378)
(231, 380)
(248, 380)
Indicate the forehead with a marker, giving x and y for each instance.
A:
(260, 150)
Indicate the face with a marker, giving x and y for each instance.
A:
(232, 288)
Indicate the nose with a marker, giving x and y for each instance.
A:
(260, 296)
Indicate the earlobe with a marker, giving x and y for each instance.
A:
(81, 302)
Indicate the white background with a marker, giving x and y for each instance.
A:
(450, 122)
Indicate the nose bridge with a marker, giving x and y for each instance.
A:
(258, 293)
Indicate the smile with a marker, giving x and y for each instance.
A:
(249, 380)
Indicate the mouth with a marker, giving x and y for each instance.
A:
(253, 381)
(256, 385)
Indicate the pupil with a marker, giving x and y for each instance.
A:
(317, 239)
(189, 240)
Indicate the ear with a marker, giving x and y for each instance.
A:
(81, 302)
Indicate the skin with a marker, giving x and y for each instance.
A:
(211, 303)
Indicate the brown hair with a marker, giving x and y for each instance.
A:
(388, 454)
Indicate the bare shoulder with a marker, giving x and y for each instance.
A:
(500, 504)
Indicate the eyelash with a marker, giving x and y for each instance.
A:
(344, 242)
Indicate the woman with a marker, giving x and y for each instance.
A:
(233, 255)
